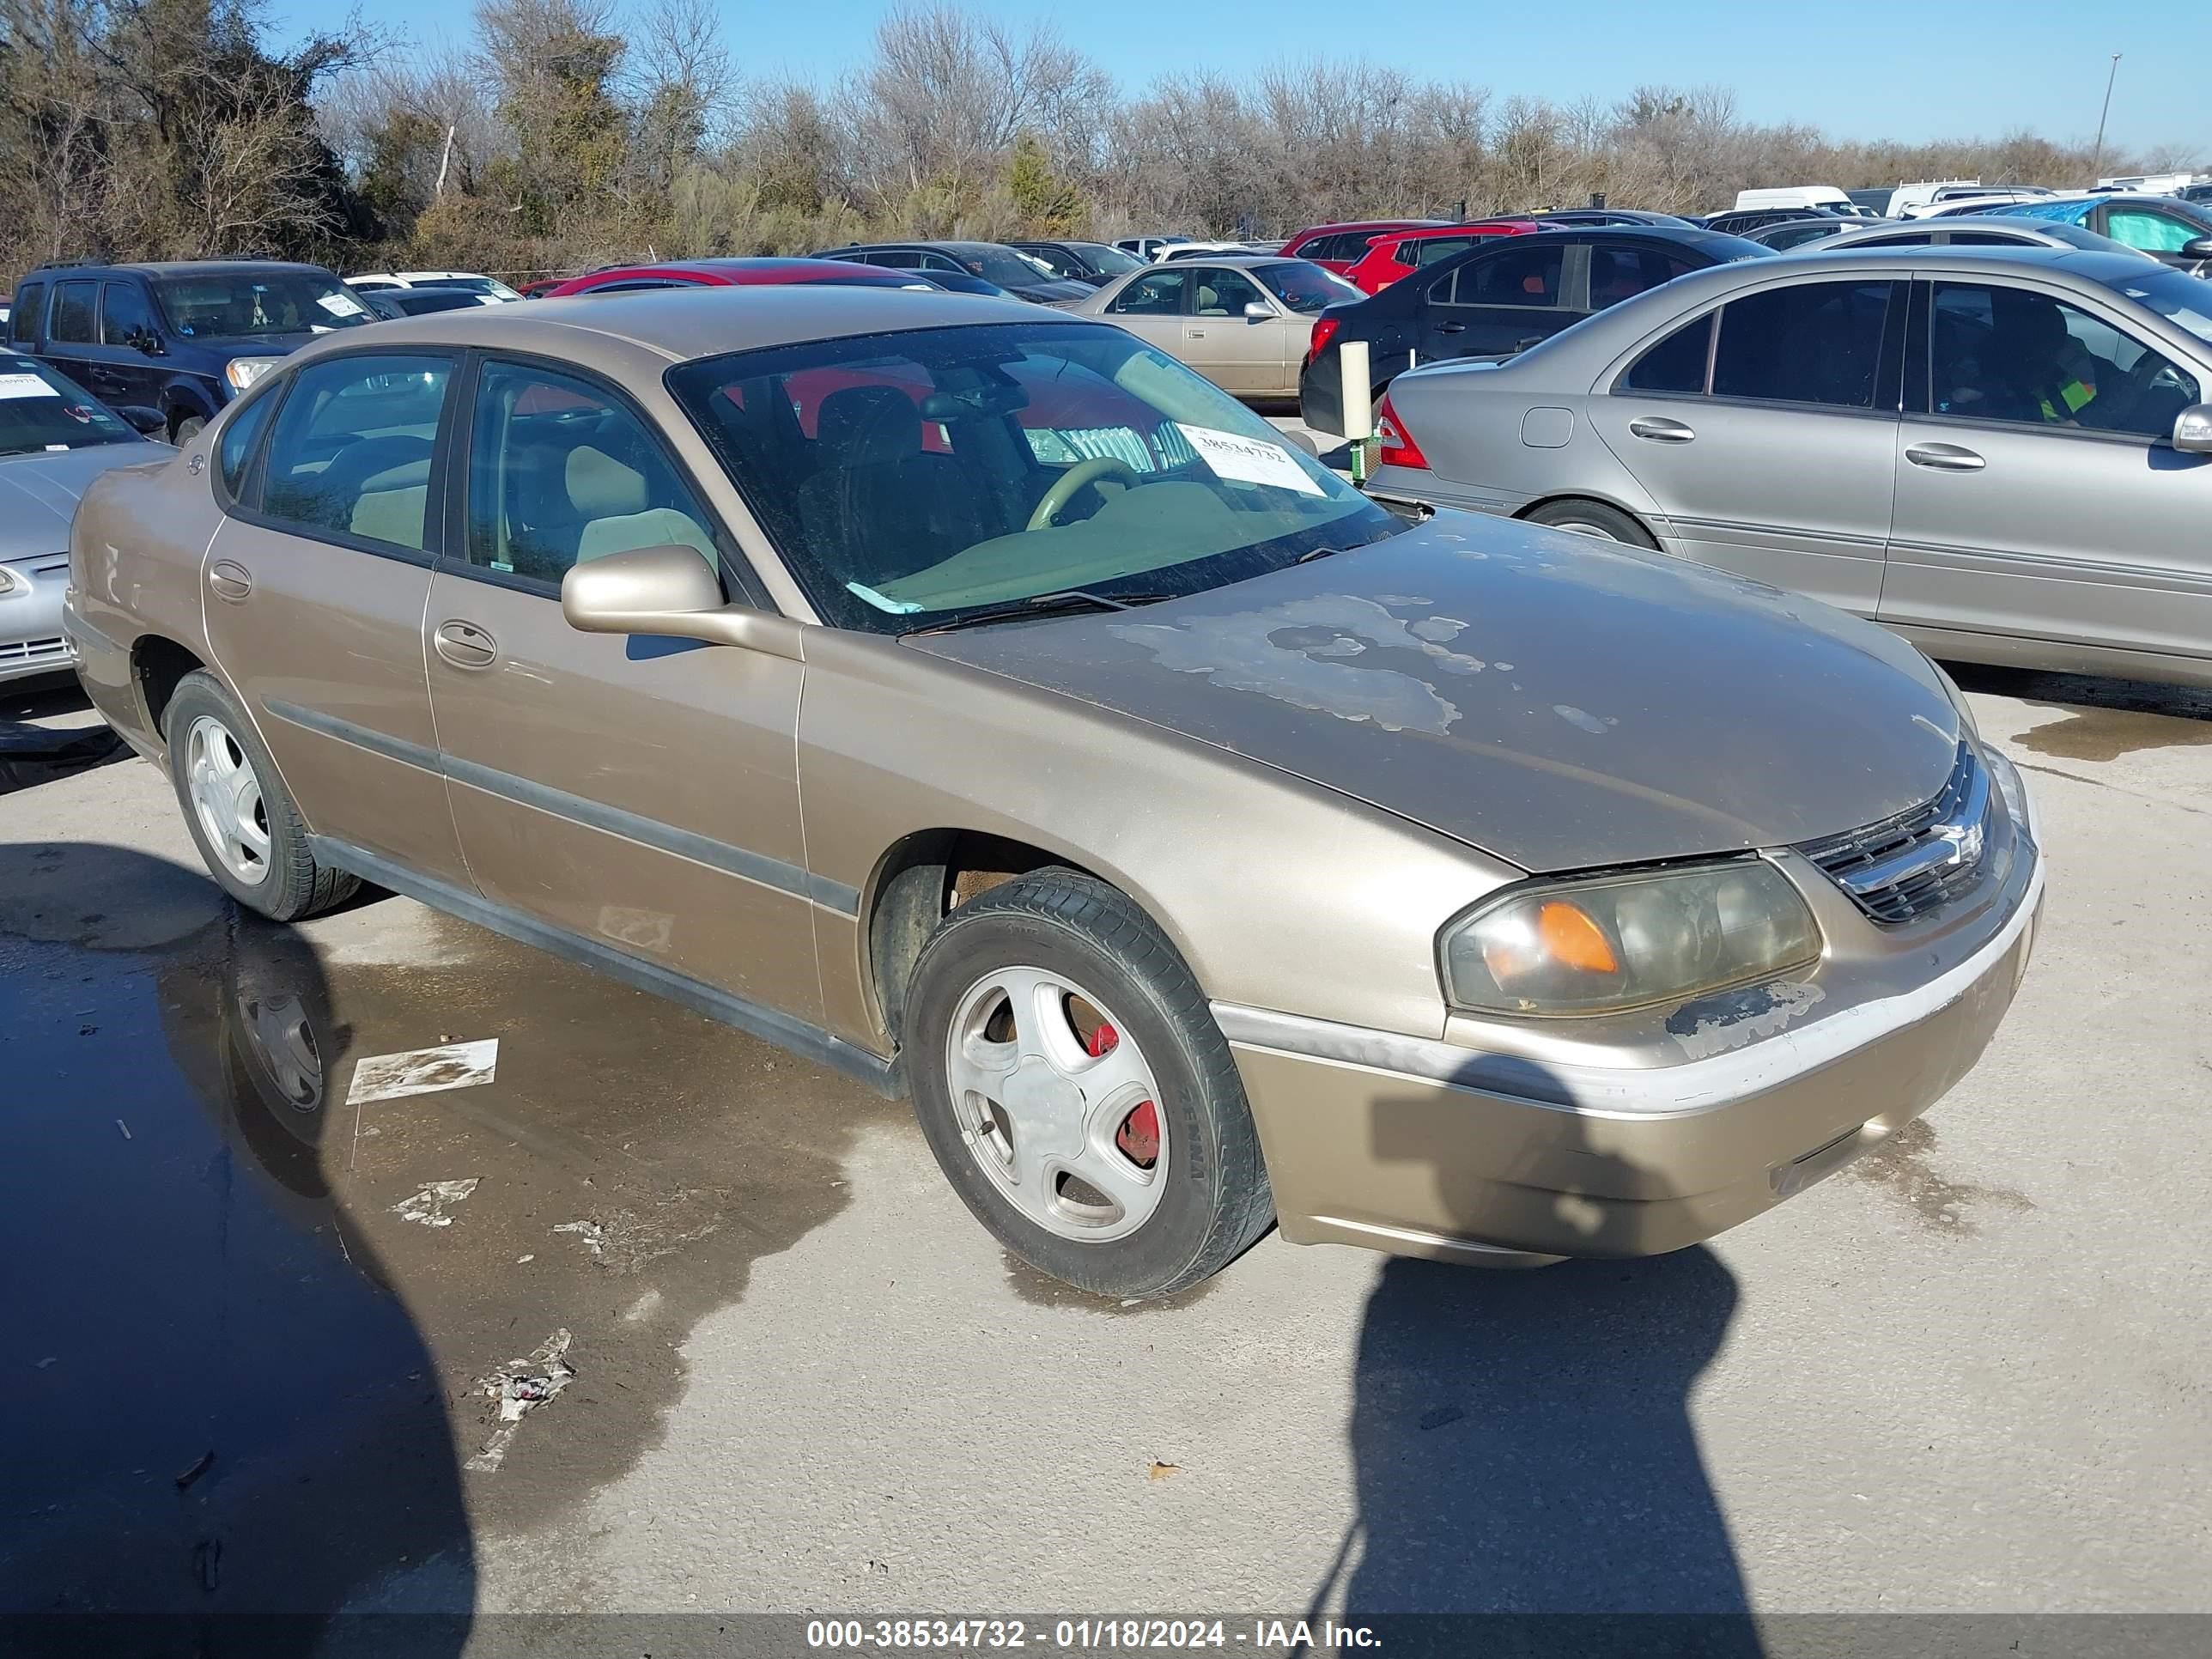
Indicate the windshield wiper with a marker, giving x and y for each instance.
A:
(1045, 604)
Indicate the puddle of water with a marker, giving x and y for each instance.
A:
(235, 1280)
(2104, 719)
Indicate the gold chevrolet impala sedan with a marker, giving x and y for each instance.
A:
(980, 703)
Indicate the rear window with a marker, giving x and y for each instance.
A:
(23, 321)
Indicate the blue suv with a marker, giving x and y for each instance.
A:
(183, 338)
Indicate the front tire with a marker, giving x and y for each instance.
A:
(1596, 519)
(1074, 1089)
(185, 429)
(246, 828)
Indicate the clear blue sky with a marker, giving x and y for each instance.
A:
(1876, 69)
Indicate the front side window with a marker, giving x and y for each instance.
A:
(1158, 294)
(2150, 230)
(1812, 343)
(23, 320)
(1055, 262)
(124, 316)
(1996, 353)
(349, 454)
(560, 472)
(227, 304)
(913, 478)
(1513, 276)
(73, 316)
(40, 410)
(1676, 364)
(1222, 293)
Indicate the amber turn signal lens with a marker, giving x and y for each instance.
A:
(1573, 938)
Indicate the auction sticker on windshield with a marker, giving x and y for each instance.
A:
(1247, 460)
(25, 385)
(340, 305)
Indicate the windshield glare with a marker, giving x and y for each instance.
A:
(995, 264)
(1305, 288)
(1109, 261)
(40, 411)
(910, 477)
(2181, 299)
(223, 305)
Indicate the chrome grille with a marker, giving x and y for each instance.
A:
(32, 650)
(1908, 866)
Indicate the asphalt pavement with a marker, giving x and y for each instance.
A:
(630, 1311)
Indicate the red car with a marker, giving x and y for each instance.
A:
(1338, 248)
(730, 273)
(1402, 252)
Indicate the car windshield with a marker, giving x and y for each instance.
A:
(1304, 287)
(911, 477)
(1001, 265)
(1108, 261)
(39, 410)
(2182, 300)
(224, 304)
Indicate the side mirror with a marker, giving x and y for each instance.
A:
(1256, 313)
(143, 421)
(2192, 429)
(147, 341)
(672, 592)
(2197, 248)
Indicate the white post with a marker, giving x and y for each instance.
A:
(445, 158)
(1358, 404)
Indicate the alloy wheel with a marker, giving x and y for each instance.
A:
(225, 796)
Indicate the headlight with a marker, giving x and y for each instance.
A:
(2013, 788)
(1592, 947)
(8, 580)
(243, 372)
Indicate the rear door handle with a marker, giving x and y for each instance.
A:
(1661, 430)
(465, 646)
(1451, 328)
(230, 581)
(1945, 457)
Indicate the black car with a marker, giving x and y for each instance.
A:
(1564, 217)
(420, 301)
(1093, 264)
(1501, 296)
(183, 338)
(1741, 220)
(994, 262)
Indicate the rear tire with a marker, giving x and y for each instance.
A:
(1045, 1017)
(246, 828)
(1596, 519)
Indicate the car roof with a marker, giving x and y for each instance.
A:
(677, 325)
(1361, 224)
(186, 267)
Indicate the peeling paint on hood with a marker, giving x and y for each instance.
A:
(1653, 709)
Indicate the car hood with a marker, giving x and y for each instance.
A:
(1560, 702)
(39, 493)
(1054, 291)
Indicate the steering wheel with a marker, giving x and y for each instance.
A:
(1077, 478)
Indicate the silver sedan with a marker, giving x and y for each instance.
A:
(2005, 455)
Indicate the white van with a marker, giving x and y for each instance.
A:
(1821, 198)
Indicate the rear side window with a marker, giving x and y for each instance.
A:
(1514, 276)
(1428, 252)
(73, 313)
(349, 454)
(1815, 343)
(23, 320)
(236, 453)
(1676, 364)
(1622, 273)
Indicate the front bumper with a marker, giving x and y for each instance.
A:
(31, 639)
(1421, 1147)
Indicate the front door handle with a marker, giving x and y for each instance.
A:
(465, 646)
(230, 580)
(1661, 430)
(1945, 457)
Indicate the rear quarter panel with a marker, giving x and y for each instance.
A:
(136, 548)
